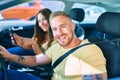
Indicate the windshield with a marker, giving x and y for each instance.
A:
(32, 7)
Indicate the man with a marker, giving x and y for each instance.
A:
(86, 63)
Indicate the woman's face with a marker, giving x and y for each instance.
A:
(43, 23)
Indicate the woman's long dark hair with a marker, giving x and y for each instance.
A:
(39, 33)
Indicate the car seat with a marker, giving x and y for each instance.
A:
(109, 24)
(78, 14)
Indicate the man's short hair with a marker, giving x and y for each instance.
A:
(59, 13)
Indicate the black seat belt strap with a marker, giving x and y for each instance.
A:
(68, 53)
(72, 50)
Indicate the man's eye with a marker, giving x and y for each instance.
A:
(54, 29)
(62, 26)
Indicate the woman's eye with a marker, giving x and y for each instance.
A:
(39, 21)
(44, 19)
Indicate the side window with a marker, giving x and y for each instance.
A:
(31, 8)
(91, 12)
(1, 17)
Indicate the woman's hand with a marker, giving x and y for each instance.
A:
(27, 43)
(23, 42)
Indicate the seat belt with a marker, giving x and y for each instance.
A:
(68, 53)
(72, 50)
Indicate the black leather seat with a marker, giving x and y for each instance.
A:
(109, 24)
(78, 14)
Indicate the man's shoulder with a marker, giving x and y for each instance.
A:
(91, 45)
(85, 41)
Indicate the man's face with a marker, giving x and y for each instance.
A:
(63, 30)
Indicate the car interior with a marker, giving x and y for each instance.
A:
(109, 25)
(102, 30)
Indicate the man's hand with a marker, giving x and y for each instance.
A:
(4, 53)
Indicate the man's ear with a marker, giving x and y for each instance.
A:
(73, 25)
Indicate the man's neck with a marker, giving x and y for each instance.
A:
(74, 43)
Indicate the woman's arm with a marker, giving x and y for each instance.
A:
(36, 47)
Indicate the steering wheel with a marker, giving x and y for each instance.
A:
(3, 69)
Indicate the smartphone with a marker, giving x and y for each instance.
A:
(11, 36)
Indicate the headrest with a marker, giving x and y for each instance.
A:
(109, 23)
(79, 31)
(77, 14)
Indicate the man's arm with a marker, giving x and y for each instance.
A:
(25, 60)
(104, 76)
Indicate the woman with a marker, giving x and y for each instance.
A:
(41, 40)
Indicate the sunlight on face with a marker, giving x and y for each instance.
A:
(63, 29)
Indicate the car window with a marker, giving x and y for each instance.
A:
(47, 4)
(53, 5)
(1, 17)
(30, 9)
(91, 12)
